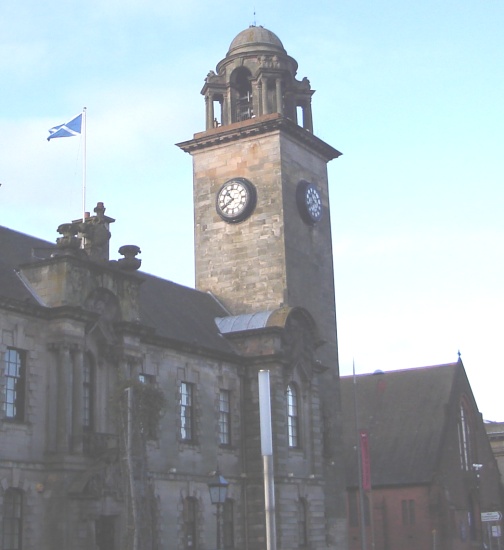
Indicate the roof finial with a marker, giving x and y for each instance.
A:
(255, 23)
(459, 356)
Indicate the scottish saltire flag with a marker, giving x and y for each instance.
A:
(69, 129)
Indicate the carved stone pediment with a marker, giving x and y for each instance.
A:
(99, 480)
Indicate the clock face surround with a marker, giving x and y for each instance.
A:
(309, 202)
(236, 200)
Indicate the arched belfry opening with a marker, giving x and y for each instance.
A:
(242, 105)
(256, 78)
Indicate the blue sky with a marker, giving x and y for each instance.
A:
(411, 93)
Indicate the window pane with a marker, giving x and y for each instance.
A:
(292, 416)
(186, 411)
(224, 417)
(14, 369)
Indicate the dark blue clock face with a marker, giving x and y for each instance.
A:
(313, 203)
(309, 202)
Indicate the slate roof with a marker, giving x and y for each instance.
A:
(17, 248)
(404, 413)
(181, 313)
(176, 312)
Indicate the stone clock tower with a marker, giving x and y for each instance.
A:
(262, 217)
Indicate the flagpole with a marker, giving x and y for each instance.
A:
(84, 165)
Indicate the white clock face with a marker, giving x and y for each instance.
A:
(313, 203)
(235, 200)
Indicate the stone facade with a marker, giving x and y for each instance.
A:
(122, 393)
(495, 432)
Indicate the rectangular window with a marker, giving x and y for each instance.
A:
(148, 424)
(12, 519)
(186, 411)
(225, 417)
(15, 382)
(191, 541)
(408, 512)
(292, 416)
(146, 378)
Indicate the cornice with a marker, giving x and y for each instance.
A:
(265, 124)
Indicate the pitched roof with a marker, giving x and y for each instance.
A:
(181, 313)
(177, 313)
(404, 413)
(15, 249)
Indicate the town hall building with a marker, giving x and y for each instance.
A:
(123, 395)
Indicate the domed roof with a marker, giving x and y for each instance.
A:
(256, 38)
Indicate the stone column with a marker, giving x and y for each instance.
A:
(259, 97)
(264, 99)
(226, 107)
(78, 367)
(64, 398)
(307, 117)
(279, 98)
(209, 111)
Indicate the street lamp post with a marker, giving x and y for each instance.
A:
(218, 493)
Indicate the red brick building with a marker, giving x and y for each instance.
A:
(432, 469)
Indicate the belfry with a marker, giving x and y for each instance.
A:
(256, 78)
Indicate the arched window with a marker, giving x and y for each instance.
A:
(465, 436)
(243, 104)
(292, 416)
(12, 519)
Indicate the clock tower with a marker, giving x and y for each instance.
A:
(262, 217)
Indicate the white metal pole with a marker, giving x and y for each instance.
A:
(267, 453)
(84, 161)
(129, 461)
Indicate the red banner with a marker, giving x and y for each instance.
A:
(365, 460)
